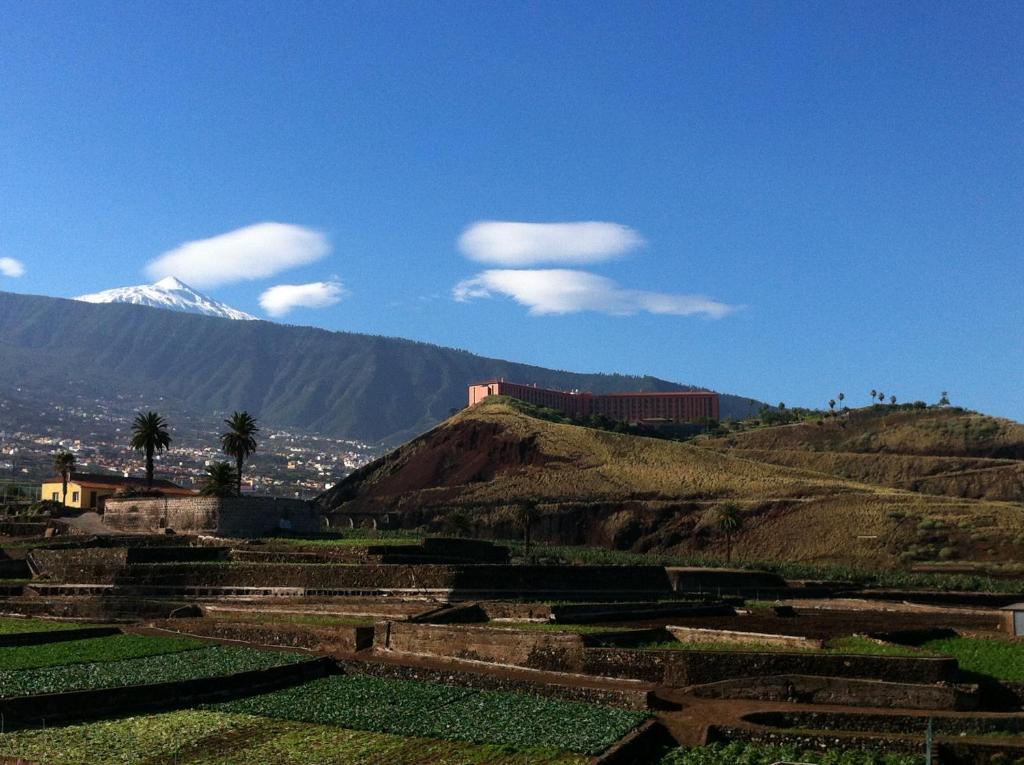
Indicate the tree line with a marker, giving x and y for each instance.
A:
(151, 434)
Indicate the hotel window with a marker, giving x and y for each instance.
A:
(74, 496)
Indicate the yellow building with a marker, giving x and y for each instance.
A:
(86, 491)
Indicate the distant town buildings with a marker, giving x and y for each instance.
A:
(651, 408)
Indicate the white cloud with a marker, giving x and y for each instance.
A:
(561, 291)
(11, 267)
(507, 243)
(279, 300)
(252, 252)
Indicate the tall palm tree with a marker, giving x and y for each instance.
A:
(64, 465)
(831, 404)
(149, 434)
(240, 441)
(841, 397)
(874, 395)
(729, 521)
(219, 480)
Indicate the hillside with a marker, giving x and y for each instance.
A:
(629, 492)
(337, 383)
(945, 451)
(934, 431)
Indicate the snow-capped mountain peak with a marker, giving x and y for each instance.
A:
(169, 293)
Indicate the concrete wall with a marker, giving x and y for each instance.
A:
(229, 517)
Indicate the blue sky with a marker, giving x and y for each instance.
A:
(799, 198)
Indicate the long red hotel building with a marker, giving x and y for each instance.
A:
(685, 406)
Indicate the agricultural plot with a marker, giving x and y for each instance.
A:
(214, 661)
(439, 711)
(742, 753)
(92, 650)
(1001, 659)
(850, 644)
(204, 737)
(10, 625)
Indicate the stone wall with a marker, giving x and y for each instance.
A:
(562, 652)
(227, 517)
(701, 635)
(490, 644)
(682, 668)
(844, 691)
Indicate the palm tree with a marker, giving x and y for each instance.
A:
(874, 395)
(832, 404)
(881, 397)
(526, 512)
(149, 434)
(841, 397)
(728, 520)
(219, 480)
(892, 400)
(944, 399)
(64, 465)
(240, 441)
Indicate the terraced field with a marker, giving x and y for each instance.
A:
(10, 625)
(204, 737)
(102, 649)
(188, 662)
(741, 753)
(439, 711)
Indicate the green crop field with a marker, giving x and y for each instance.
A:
(110, 648)
(851, 644)
(10, 625)
(213, 661)
(742, 753)
(1001, 659)
(194, 737)
(439, 711)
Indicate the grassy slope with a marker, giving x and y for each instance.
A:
(943, 451)
(943, 432)
(493, 455)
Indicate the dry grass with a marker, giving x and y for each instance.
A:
(946, 432)
(967, 477)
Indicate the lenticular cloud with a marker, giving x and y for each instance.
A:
(508, 243)
(564, 291)
(279, 300)
(253, 252)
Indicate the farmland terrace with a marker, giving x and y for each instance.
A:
(368, 646)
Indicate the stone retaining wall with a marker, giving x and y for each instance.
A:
(334, 639)
(494, 645)
(843, 691)
(227, 517)
(562, 652)
(701, 635)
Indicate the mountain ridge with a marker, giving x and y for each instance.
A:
(344, 384)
